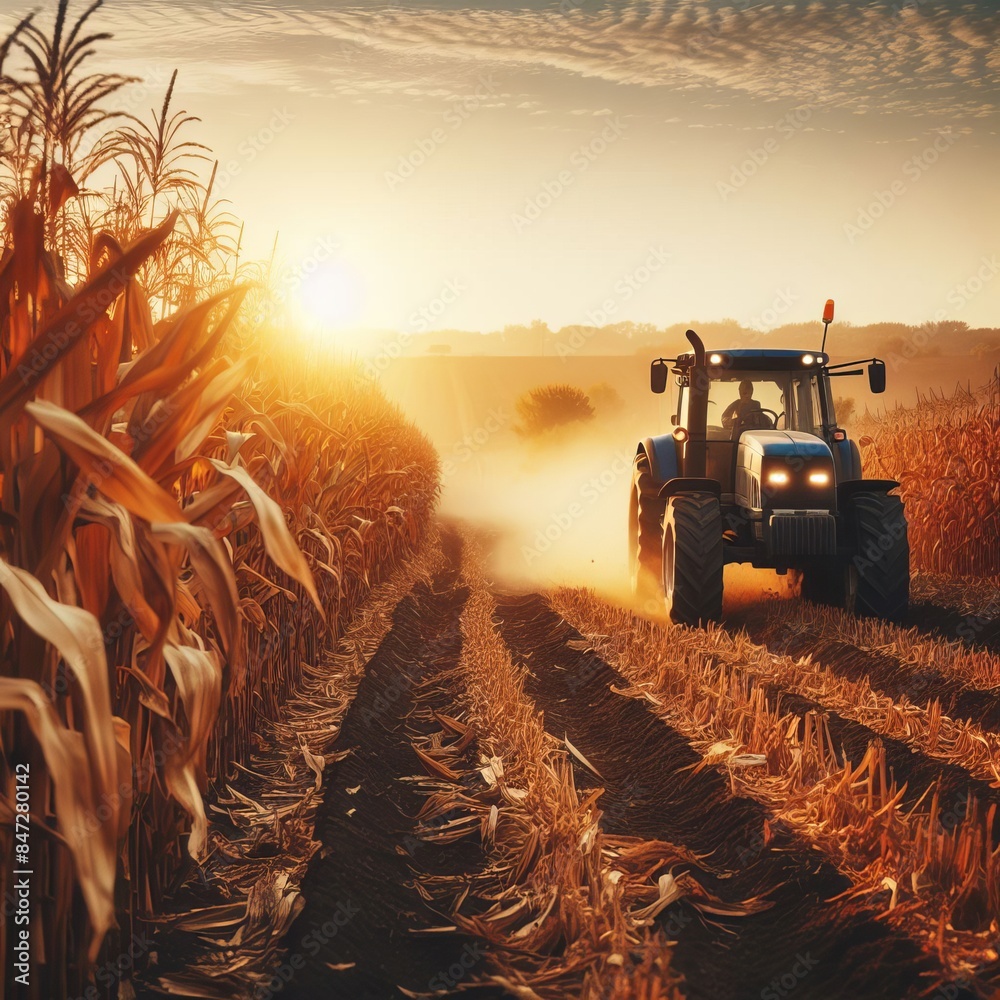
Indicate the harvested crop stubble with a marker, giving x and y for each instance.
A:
(928, 662)
(945, 453)
(571, 915)
(249, 891)
(942, 873)
(925, 730)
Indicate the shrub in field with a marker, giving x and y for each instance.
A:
(945, 453)
(605, 399)
(551, 406)
(846, 408)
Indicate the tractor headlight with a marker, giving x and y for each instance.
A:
(819, 478)
(715, 359)
(777, 478)
(808, 359)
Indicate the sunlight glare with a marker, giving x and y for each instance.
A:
(330, 298)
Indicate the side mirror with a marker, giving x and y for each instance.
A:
(658, 376)
(876, 376)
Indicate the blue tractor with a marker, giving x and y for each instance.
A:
(757, 471)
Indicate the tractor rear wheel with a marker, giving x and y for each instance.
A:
(881, 565)
(692, 558)
(645, 533)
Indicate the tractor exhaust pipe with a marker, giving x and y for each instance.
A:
(695, 449)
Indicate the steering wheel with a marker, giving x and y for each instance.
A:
(750, 421)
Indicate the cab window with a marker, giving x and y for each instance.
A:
(807, 415)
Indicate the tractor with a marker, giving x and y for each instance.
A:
(757, 471)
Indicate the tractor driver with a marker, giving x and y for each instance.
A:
(739, 408)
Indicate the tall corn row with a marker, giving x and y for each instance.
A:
(945, 453)
(129, 517)
(359, 483)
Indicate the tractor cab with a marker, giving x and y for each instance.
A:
(751, 391)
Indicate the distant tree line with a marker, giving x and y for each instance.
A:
(886, 340)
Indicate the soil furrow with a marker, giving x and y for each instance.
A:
(968, 627)
(358, 935)
(654, 790)
(886, 673)
(917, 770)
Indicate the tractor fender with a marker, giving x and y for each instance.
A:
(847, 489)
(661, 451)
(847, 459)
(690, 484)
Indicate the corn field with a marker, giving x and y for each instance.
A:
(169, 559)
(186, 518)
(945, 453)
(266, 714)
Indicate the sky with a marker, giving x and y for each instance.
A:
(443, 165)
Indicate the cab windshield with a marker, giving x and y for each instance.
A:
(779, 400)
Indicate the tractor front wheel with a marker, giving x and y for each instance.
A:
(875, 581)
(881, 564)
(692, 558)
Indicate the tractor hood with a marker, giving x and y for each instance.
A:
(785, 444)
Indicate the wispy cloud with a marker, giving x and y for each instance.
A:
(917, 57)
(914, 57)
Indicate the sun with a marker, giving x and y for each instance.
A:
(329, 299)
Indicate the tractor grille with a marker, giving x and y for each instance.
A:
(803, 535)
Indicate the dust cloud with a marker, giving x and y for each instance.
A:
(556, 509)
(553, 509)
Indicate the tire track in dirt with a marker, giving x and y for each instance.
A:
(889, 678)
(919, 771)
(887, 673)
(361, 908)
(654, 791)
(950, 623)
